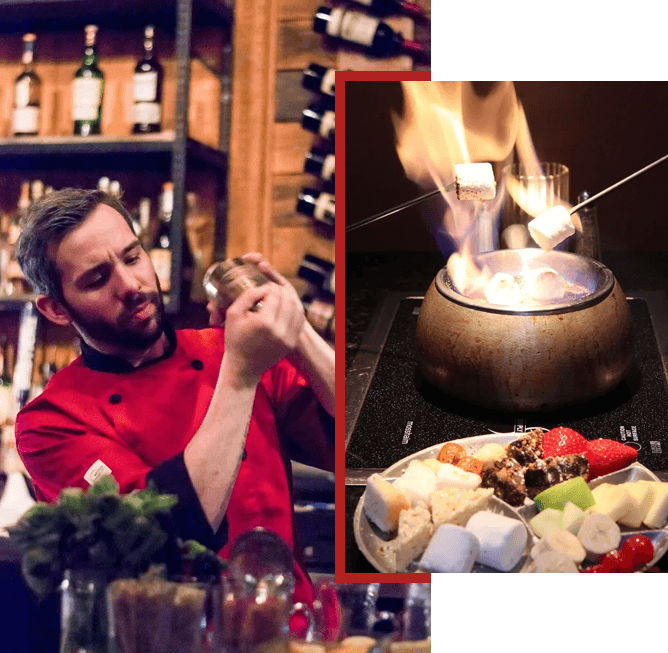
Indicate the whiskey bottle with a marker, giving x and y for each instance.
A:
(377, 37)
(87, 90)
(161, 252)
(27, 91)
(319, 119)
(317, 204)
(320, 162)
(147, 89)
(319, 79)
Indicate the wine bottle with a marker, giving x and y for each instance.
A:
(377, 37)
(87, 90)
(27, 91)
(320, 315)
(319, 79)
(317, 204)
(319, 119)
(318, 272)
(392, 7)
(320, 163)
(147, 89)
(161, 252)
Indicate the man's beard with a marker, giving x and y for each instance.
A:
(121, 334)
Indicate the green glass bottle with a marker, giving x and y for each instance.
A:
(87, 90)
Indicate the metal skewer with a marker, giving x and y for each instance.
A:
(452, 186)
(401, 207)
(619, 183)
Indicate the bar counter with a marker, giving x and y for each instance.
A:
(369, 275)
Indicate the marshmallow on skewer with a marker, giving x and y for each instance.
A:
(545, 284)
(551, 227)
(475, 181)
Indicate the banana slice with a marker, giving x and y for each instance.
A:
(554, 562)
(599, 534)
(561, 541)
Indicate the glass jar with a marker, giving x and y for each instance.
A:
(83, 616)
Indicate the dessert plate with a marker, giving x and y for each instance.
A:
(372, 541)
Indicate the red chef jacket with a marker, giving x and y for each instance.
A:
(100, 411)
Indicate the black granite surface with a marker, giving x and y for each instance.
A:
(367, 274)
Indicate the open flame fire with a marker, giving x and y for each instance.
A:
(447, 123)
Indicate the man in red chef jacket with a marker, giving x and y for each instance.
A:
(210, 415)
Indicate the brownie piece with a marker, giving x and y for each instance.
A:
(527, 448)
(506, 476)
(542, 474)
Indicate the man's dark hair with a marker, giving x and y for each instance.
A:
(46, 223)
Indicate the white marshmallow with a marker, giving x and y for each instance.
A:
(502, 539)
(551, 227)
(417, 482)
(490, 453)
(503, 290)
(545, 284)
(450, 476)
(475, 181)
(453, 549)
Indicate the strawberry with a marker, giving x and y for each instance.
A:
(562, 441)
(606, 456)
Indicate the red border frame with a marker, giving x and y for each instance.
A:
(340, 554)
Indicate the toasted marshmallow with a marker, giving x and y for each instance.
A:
(551, 227)
(545, 284)
(475, 181)
(503, 290)
(383, 503)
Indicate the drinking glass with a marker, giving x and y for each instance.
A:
(528, 194)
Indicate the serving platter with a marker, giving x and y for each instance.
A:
(372, 541)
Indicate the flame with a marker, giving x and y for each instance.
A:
(447, 123)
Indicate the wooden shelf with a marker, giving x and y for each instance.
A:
(66, 15)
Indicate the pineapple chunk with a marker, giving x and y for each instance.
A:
(643, 497)
(612, 500)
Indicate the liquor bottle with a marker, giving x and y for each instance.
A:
(21, 209)
(87, 90)
(320, 315)
(147, 89)
(319, 79)
(320, 163)
(27, 91)
(393, 7)
(161, 252)
(318, 272)
(319, 119)
(317, 204)
(144, 219)
(5, 382)
(25, 354)
(377, 37)
(103, 184)
(115, 189)
(36, 191)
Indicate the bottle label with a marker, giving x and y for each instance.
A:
(162, 263)
(328, 168)
(25, 120)
(87, 97)
(359, 28)
(147, 113)
(334, 23)
(324, 207)
(22, 93)
(145, 87)
(327, 125)
(327, 84)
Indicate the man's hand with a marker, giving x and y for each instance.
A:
(262, 326)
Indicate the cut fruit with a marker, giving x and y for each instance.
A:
(598, 535)
(643, 496)
(658, 512)
(546, 521)
(564, 542)
(572, 517)
(574, 490)
(612, 500)
(554, 562)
